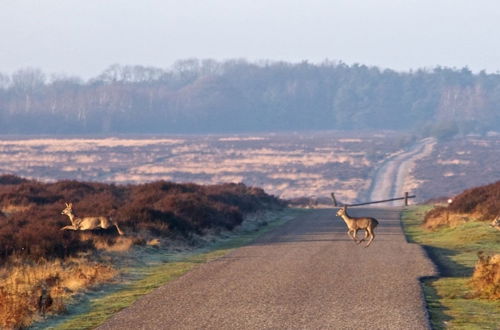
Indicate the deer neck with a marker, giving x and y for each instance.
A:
(71, 217)
(346, 219)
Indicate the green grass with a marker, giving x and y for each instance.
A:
(99, 308)
(450, 298)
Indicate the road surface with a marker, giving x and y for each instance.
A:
(306, 274)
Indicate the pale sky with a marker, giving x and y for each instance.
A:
(84, 37)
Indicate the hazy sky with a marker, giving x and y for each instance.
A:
(84, 37)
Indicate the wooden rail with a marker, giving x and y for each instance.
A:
(405, 198)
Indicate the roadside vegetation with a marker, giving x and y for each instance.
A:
(465, 248)
(42, 267)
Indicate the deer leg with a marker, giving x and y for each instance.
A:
(118, 228)
(372, 236)
(366, 236)
(68, 228)
(355, 236)
(352, 234)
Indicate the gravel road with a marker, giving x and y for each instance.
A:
(305, 274)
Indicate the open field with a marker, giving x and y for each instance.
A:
(456, 165)
(288, 165)
(285, 165)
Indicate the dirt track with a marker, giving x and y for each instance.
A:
(306, 274)
(393, 178)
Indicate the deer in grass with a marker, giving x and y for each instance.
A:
(355, 224)
(87, 223)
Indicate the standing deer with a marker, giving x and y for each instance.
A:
(355, 224)
(87, 223)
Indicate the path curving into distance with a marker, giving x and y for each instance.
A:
(306, 274)
(394, 174)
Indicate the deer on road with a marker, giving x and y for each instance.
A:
(87, 223)
(355, 224)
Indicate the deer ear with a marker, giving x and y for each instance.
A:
(70, 205)
(66, 204)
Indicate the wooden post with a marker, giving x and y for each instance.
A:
(334, 200)
(406, 198)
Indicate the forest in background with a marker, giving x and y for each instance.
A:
(233, 96)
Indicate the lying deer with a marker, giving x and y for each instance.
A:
(355, 224)
(87, 223)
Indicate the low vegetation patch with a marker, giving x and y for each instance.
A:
(42, 265)
(486, 277)
(476, 204)
(28, 291)
(465, 295)
(31, 212)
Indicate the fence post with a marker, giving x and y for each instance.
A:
(334, 200)
(406, 198)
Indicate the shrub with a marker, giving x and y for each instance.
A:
(480, 202)
(11, 179)
(486, 277)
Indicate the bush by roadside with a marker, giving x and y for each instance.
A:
(480, 203)
(486, 276)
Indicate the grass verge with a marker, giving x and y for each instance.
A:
(97, 308)
(450, 298)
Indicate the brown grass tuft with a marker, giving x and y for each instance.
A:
(21, 287)
(486, 277)
(441, 217)
(118, 244)
(154, 242)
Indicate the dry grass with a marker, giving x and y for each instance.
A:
(21, 287)
(116, 244)
(475, 204)
(286, 165)
(446, 219)
(11, 209)
(486, 277)
(454, 301)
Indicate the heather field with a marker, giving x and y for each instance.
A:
(458, 164)
(285, 165)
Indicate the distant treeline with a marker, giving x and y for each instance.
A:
(202, 96)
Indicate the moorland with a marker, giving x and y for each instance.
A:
(287, 165)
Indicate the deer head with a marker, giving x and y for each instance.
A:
(68, 210)
(342, 211)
